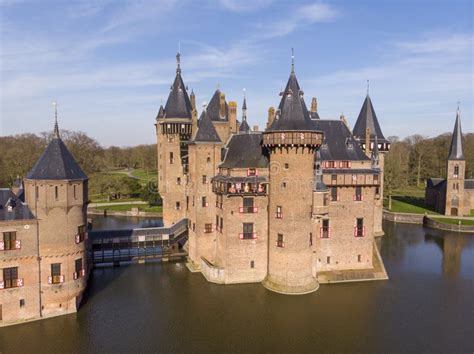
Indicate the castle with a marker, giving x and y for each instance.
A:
(453, 195)
(294, 206)
(43, 230)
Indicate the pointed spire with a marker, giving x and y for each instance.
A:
(367, 119)
(56, 126)
(292, 60)
(244, 108)
(292, 113)
(456, 149)
(178, 104)
(161, 112)
(178, 62)
(206, 132)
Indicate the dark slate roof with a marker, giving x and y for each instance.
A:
(338, 143)
(56, 163)
(20, 210)
(245, 151)
(293, 114)
(455, 150)
(161, 112)
(368, 119)
(178, 104)
(206, 131)
(213, 108)
(435, 183)
(314, 115)
(469, 184)
(244, 127)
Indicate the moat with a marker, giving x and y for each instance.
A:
(426, 306)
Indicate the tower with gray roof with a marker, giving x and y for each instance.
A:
(56, 190)
(174, 124)
(456, 169)
(368, 133)
(292, 141)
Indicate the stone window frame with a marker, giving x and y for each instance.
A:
(280, 243)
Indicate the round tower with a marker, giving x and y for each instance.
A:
(292, 141)
(56, 190)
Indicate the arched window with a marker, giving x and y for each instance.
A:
(56, 192)
(456, 171)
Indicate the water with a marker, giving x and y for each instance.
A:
(426, 306)
(123, 222)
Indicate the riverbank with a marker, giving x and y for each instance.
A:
(431, 221)
(135, 212)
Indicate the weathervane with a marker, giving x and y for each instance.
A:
(368, 86)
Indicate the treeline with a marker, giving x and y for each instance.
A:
(413, 160)
(410, 162)
(19, 153)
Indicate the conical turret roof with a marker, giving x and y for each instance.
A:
(56, 163)
(161, 112)
(178, 104)
(206, 131)
(368, 119)
(455, 150)
(293, 114)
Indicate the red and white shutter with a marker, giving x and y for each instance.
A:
(2, 246)
(17, 244)
(19, 282)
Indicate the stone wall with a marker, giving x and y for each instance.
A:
(20, 303)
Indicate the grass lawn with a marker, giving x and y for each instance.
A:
(408, 205)
(410, 191)
(128, 207)
(142, 174)
(454, 221)
(103, 199)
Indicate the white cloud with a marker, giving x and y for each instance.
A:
(303, 15)
(244, 5)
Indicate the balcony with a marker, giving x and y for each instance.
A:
(56, 279)
(11, 283)
(10, 246)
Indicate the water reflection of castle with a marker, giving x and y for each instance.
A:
(452, 247)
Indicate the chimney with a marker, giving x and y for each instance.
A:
(314, 105)
(255, 128)
(367, 141)
(232, 115)
(222, 105)
(271, 116)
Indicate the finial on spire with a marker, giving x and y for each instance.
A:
(459, 111)
(244, 108)
(368, 86)
(178, 61)
(56, 126)
(292, 60)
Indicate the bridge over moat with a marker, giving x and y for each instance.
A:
(138, 245)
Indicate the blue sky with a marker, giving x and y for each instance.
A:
(110, 63)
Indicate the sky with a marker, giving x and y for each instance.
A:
(110, 63)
